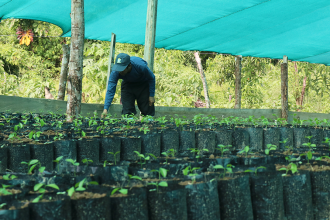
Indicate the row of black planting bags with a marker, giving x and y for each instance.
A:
(257, 194)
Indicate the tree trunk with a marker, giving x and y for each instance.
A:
(64, 71)
(284, 88)
(238, 90)
(111, 57)
(303, 92)
(200, 67)
(76, 60)
(149, 46)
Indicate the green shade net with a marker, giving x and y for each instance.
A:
(298, 29)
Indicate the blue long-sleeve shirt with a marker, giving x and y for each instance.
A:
(140, 73)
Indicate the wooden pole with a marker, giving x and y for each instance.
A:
(200, 67)
(284, 88)
(64, 72)
(238, 90)
(76, 60)
(111, 56)
(149, 46)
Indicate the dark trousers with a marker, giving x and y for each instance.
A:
(139, 92)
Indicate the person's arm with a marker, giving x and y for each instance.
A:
(111, 90)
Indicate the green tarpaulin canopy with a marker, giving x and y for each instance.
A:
(259, 28)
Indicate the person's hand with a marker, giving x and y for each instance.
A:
(151, 100)
(104, 113)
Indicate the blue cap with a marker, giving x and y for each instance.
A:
(122, 62)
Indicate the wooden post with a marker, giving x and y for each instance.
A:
(200, 67)
(284, 88)
(238, 90)
(111, 56)
(149, 46)
(64, 72)
(76, 60)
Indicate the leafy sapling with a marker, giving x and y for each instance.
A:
(170, 152)
(114, 156)
(223, 148)
(130, 177)
(198, 152)
(57, 162)
(293, 168)
(9, 177)
(190, 172)
(157, 184)
(309, 144)
(161, 171)
(41, 188)
(228, 169)
(255, 171)
(86, 161)
(3, 191)
(270, 147)
(142, 157)
(245, 150)
(121, 190)
(74, 163)
(32, 164)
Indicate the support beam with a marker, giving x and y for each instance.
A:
(205, 88)
(149, 46)
(64, 72)
(238, 89)
(111, 56)
(76, 60)
(284, 88)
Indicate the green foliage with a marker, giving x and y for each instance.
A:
(291, 167)
(255, 171)
(26, 70)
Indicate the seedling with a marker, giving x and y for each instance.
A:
(270, 147)
(161, 171)
(245, 150)
(141, 156)
(309, 156)
(130, 177)
(162, 184)
(309, 144)
(57, 161)
(256, 170)
(327, 141)
(293, 168)
(223, 148)
(323, 157)
(2, 205)
(170, 152)
(3, 191)
(228, 169)
(79, 185)
(32, 164)
(59, 136)
(145, 129)
(198, 152)
(86, 161)
(190, 171)
(114, 155)
(74, 163)
(41, 188)
(9, 177)
(121, 190)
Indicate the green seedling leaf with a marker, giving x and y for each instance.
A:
(53, 186)
(33, 162)
(94, 183)
(136, 177)
(37, 186)
(114, 191)
(218, 167)
(185, 171)
(71, 191)
(309, 155)
(42, 169)
(58, 159)
(36, 200)
(163, 172)
(32, 167)
(163, 184)
(246, 171)
(283, 168)
(2, 205)
(123, 191)
(24, 162)
(42, 190)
